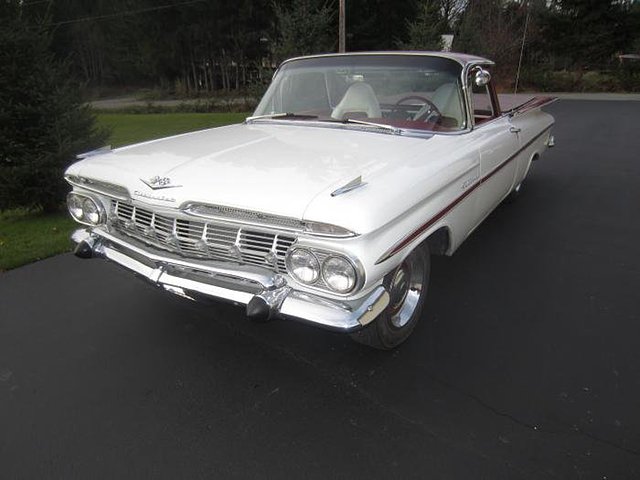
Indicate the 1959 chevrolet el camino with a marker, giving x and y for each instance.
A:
(326, 204)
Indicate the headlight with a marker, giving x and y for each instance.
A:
(85, 209)
(327, 271)
(339, 274)
(91, 211)
(303, 265)
(74, 203)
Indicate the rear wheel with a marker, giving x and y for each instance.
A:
(407, 287)
(517, 190)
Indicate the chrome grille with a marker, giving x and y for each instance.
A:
(202, 239)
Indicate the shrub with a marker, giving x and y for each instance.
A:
(628, 76)
(562, 81)
(550, 81)
(598, 82)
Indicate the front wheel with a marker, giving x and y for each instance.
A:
(407, 287)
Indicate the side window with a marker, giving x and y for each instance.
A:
(481, 103)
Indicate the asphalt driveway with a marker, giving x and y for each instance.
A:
(526, 365)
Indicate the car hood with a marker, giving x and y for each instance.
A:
(274, 168)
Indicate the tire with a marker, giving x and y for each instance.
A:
(394, 325)
(514, 194)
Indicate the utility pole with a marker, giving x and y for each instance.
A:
(524, 36)
(341, 28)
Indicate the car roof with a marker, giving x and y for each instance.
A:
(463, 59)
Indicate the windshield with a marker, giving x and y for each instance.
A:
(403, 91)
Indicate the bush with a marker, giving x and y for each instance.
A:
(598, 82)
(562, 81)
(575, 81)
(43, 123)
(628, 76)
(151, 94)
(203, 105)
(550, 81)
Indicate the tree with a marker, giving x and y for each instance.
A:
(305, 27)
(43, 123)
(493, 29)
(425, 32)
(587, 33)
(451, 12)
(377, 24)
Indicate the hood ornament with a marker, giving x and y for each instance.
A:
(158, 182)
(352, 185)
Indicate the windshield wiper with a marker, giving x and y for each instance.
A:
(395, 130)
(346, 121)
(281, 115)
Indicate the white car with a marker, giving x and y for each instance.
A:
(325, 205)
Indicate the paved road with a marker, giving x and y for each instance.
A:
(129, 101)
(526, 365)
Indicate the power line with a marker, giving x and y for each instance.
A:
(122, 14)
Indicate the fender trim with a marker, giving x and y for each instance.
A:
(420, 230)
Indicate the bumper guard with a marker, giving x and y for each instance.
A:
(265, 293)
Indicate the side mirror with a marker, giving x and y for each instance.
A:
(482, 77)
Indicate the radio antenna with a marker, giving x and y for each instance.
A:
(524, 36)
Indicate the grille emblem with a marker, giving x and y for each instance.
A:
(270, 259)
(201, 245)
(158, 182)
(173, 241)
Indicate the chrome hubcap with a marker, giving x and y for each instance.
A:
(405, 290)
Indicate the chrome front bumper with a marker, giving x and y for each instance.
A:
(266, 294)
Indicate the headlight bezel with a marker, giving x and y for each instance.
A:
(348, 263)
(291, 269)
(81, 198)
(321, 284)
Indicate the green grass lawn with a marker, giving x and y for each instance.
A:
(29, 236)
(129, 128)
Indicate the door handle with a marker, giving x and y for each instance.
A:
(515, 129)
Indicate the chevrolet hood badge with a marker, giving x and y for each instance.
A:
(158, 182)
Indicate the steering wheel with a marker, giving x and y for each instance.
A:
(428, 111)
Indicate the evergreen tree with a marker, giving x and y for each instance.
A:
(377, 24)
(425, 32)
(43, 123)
(588, 33)
(304, 27)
